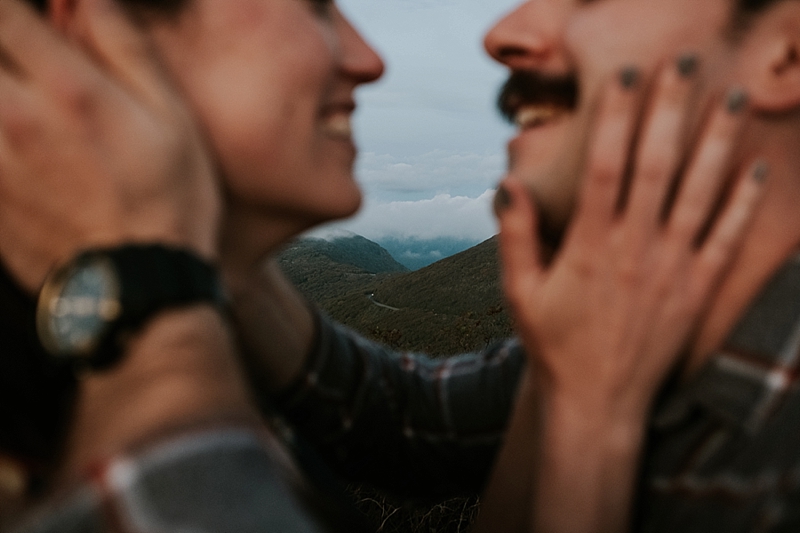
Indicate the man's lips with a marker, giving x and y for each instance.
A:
(531, 116)
(532, 99)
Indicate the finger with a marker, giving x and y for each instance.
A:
(707, 171)
(35, 48)
(18, 126)
(658, 154)
(608, 154)
(719, 249)
(519, 241)
(125, 51)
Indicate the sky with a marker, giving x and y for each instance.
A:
(432, 145)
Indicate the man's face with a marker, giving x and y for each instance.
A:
(562, 52)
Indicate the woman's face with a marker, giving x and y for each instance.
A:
(272, 82)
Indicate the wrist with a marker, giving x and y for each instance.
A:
(178, 370)
(617, 427)
(589, 462)
(591, 399)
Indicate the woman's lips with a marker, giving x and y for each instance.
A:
(336, 117)
(338, 125)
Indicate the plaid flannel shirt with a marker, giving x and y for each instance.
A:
(414, 426)
(218, 480)
(723, 452)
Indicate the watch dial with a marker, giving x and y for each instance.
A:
(88, 301)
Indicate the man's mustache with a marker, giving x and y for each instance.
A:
(530, 87)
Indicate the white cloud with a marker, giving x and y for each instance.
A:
(435, 172)
(459, 217)
(332, 234)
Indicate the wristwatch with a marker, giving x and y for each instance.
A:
(91, 306)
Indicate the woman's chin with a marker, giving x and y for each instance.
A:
(259, 229)
(343, 204)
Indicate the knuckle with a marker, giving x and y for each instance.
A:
(80, 97)
(583, 265)
(629, 273)
(603, 171)
(718, 255)
(653, 169)
(685, 223)
(21, 128)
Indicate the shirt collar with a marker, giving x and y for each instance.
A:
(745, 381)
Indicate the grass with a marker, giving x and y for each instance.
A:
(451, 516)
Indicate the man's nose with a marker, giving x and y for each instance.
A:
(531, 36)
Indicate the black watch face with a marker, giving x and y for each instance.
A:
(82, 301)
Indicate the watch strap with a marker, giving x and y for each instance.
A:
(152, 278)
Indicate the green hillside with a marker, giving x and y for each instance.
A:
(449, 307)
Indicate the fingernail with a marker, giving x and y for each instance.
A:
(629, 77)
(761, 171)
(502, 200)
(736, 100)
(687, 65)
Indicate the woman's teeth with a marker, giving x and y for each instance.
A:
(532, 116)
(338, 125)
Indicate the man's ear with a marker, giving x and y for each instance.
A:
(769, 59)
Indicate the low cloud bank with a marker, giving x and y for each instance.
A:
(456, 217)
(433, 173)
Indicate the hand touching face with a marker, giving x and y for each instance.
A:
(607, 320)
(568, 50)
(90, 156)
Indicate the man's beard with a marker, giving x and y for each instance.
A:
(560, 92)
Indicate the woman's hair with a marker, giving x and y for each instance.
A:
(745, 13)
(35, 394)
(162, 7)
(753, 6)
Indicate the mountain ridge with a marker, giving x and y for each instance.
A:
(452, 306)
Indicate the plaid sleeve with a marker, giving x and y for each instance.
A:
(216, 481)
(406, 423)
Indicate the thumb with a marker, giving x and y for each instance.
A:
(520, 249)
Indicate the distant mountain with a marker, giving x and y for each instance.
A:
(351, 249)
(416, 253)
(330, 267)
(460, 284)
(452, 306)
